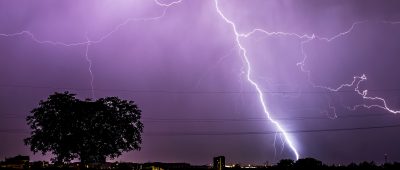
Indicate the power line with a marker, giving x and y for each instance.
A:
(263, 119)
(191, 92)
(211, 120)
(270, 132)
(23, 131)
(205, 120)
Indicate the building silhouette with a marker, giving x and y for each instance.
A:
(17, 162)
(219, 162)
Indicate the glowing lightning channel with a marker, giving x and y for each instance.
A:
(364, 94)
(90, 66)
(102, 38)
(305, 39)
(35, 39)
(89, 42)
(167, 4)
(356, 79)
(252, 82)
(301, 64)
(127, 21)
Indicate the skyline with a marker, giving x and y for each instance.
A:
(210, 74)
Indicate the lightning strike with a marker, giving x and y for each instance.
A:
(301, 64)
(102, 38)
(356, 79)
(37, 40)
(282, 144)
(253, 83)
(89, 42)
(306, 38)
(90, 66)
(247, 64)
(167, 4)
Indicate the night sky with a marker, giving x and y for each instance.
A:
(182, 64)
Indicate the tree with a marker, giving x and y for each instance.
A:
(285, 164)
(308, 163)
(88, 130)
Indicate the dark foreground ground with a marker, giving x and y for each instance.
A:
(286, 164)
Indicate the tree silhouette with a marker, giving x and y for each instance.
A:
(88, 130)
(308, 163)
(367, 165)
(285, 164)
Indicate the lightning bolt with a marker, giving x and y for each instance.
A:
(356, 79)
(301, 64)
(305, 38)
(37, 40)
(243, 50)
(364, 94)
(167, 4)
(90, 66)
(89, 42)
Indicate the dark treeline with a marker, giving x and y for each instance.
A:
(311, 164)
(285, 164)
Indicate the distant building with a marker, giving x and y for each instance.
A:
(219, 162)
(17, 162)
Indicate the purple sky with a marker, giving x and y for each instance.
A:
(185, 71)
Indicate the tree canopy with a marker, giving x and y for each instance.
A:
(88, 130)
